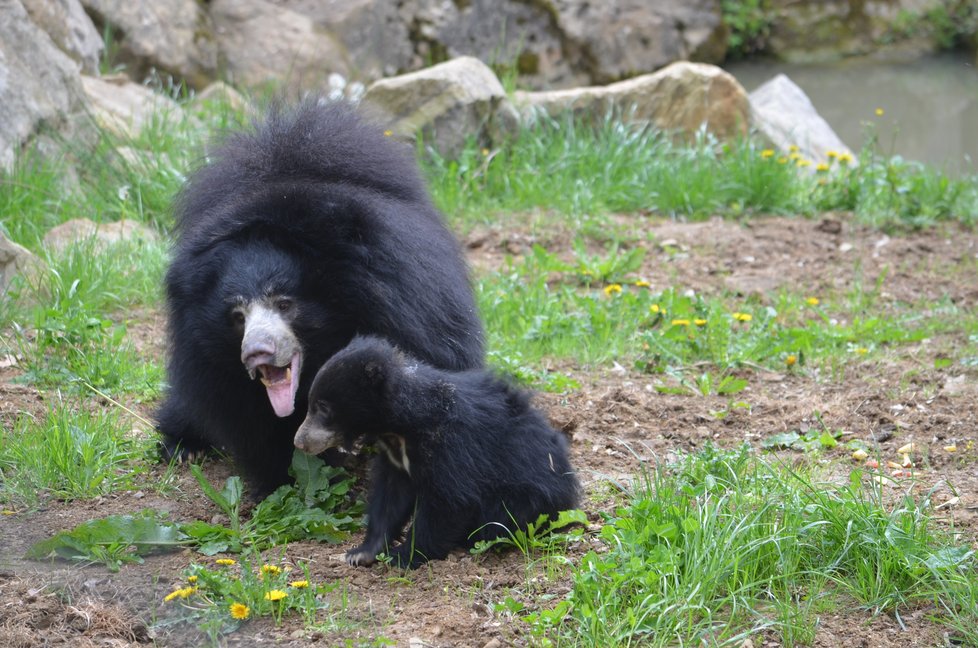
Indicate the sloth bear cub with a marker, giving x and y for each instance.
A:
(463, 452)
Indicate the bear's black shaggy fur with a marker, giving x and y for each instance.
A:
(292, 238)
(463, 452)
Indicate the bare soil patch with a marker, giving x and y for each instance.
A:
(616, 420)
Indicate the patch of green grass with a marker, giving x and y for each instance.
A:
(723, 544)
(541, 307)
(69, 327)
(582, 170)
(71, 454)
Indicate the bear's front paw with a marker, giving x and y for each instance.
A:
(361, 556)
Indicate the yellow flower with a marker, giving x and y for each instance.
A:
(812, 301)
(641, 283)
(821, 167)
(299, 584)
(240, 611)
(271, 569)
(612, 289)
(275, 595)
(388, 133)
(485, 152)
(831, 154)
(845, 158)
(795, 155)
(225, 561)
(743, 317)
(8, 512)
(879, 112)
(699, 322)
(192, 578)
(179, 593)
(791, 360)
(680, 322)
(782, 160)
(654, 308)
(793, 148)
(767, 153)
(803, 163)
(861, 350)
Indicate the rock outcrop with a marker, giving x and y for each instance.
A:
(39, 84)
(682, 97)
(783, 113)
(171, 36)
(446, 103)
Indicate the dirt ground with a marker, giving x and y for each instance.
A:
(614, 421)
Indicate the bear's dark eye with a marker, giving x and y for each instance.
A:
(324, 412)
(283, 305)
(237, 317)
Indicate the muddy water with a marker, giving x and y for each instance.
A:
(930, 105)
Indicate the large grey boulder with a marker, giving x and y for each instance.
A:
(261, 42)
(14, 259)
(66, 22)
(61, 237)
(446, 103)
(783, 113)
(683, 97)
(39, 84)
(123, 107)
(566, 43)
(172, 36)
(373, 32)
(617, 40)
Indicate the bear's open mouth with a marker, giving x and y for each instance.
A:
(281, 383)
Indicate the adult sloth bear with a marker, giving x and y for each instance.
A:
(291, 239)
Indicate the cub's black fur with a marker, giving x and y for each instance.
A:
(292, 238)
(463, 452)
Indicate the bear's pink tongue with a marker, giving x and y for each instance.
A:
(281, 384)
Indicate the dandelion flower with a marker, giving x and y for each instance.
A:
(743, 317)
(821, 167)
(793, 148)
(654, 308)
(225, 561)
(485, 152)
(803, 163)
(388, 133)
(183, 592)
(795, 155)
(299, 584)
(699, 322)
(791, 360)
(680, 322)
(271, 569)
(240, 611)
(641, 283)
(879, 112)
(192, 578)
(782, 160)
(812, 301)
(831, 154)
(861, 350)
(612, 289)
(767, 153)
(275, 595)
(845, 158)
